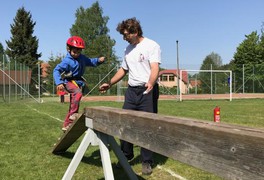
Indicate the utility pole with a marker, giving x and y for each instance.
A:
(178, 69)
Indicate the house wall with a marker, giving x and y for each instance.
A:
(170, 80)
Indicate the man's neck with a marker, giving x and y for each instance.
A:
(140, 39)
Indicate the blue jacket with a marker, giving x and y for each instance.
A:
(75, 66)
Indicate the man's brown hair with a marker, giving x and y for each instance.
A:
(132, 26)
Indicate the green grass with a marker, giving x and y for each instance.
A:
(247, 112)
(28, 131)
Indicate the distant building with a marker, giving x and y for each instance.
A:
(195, 83)
(168, 78)
(44, 69)
(44, 73)
(12, 77)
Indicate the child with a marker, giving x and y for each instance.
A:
(68, 75)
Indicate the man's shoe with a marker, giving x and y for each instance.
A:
(146, 168)
(118, 165)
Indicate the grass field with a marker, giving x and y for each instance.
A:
(28, 131)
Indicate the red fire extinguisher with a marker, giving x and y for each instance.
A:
(217, 114)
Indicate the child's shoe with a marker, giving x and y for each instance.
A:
(74, 117)
(65, 128)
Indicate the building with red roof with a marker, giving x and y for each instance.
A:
(168, 78)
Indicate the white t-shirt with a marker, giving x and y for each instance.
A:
(137, 61)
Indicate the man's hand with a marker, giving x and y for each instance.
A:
(149, 87)
(104, 87)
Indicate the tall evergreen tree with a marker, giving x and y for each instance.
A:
(3, 59)
(1, 52)
(23, 45)
(91, 25)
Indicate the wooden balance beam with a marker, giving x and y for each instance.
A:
(229, 151)
(71, 135)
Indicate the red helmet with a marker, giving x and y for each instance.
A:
(76, 41)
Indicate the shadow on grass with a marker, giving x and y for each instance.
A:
(93, 159)
(119, 173)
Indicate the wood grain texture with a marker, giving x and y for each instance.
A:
(229, 151)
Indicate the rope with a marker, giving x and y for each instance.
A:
(100, 81)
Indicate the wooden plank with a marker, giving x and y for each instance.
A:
(229, 151)
(71, 135)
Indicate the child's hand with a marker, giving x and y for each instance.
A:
(60, 87)
(101, 59)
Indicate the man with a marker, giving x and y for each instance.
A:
(141, 62)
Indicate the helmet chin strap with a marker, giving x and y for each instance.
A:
(69, 48)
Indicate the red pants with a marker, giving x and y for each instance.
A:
(75, 98)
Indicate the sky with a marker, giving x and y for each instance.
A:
(200, 27)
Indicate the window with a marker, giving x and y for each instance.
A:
(164, 78)
(171, 78)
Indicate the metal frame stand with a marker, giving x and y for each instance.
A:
(96, 138)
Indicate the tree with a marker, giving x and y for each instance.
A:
(212, 61)
(249, 59)
(91, 25)
(1, 52)
(53, 61)
(248, 51)
(23, 45)
(3, 59)
(261, 43)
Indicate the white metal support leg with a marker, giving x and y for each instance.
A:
(121, 157)
(88, 138)
(105, 156)
(105, 140)
(97, 138)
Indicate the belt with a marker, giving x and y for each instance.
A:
(75, 78)
(138, 87)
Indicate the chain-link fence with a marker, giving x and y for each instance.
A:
(19, 82)
(243, 78)
(249, 79)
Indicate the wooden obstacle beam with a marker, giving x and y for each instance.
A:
(71, 135)
(229, 151)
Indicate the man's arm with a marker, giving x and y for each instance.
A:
(154, 74)
(117, 77)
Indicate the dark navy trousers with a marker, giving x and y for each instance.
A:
(136, 100)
